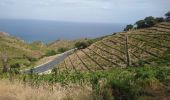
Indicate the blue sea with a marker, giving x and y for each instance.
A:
(48, 31)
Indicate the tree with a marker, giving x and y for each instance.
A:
(128, 27)
(141, 24)
(150, 21)
(159, 19)
(167, 16)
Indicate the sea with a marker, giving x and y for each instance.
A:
(48, 31)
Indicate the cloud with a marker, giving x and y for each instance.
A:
(53, 3)
(83, 10)
(6, 2)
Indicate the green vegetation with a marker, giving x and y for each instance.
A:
(167, 16)
(15, 68)
(86, 43)
(148, 22)
(160, 19)
(104, 65)
(81, 45)
(38, 45)
(130, 65)
(31, 59)
(18, 51)
(130, 83)
(146, 48)
(140, 24)
(128, 27)
(50, 53)
(61, 50)
(66, 44)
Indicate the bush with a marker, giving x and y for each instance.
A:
(15, 68)
(128, 27)
(50, 53)
(81, 45)
(85, 44)
(150, 21)
(167, 16)
(141, 24)
(61, 50)
(16, 65)
(31, 59)
(160, 19)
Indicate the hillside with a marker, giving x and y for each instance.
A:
(31, 54)
(67, 44)
(142, 47)
(19, 51)
(131, 65)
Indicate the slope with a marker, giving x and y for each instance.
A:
(66, 44)
(18, 51)
(142, 47)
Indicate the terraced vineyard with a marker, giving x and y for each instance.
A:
(150, 46)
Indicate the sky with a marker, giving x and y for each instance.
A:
(101, 11)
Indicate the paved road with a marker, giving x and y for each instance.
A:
(50, 65)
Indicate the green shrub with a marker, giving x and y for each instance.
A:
(167, 16)
(128, 27)
(86, 43)
(50, 53)
(161, 74)
(150, 21)
(81, 45)
(31, 59)
(16, 65)
(61, 50)
(141, 24)
(125, 84)
(160, 19)
(15, 68)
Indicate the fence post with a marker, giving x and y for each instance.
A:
(127, 51)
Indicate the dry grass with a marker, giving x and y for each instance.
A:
(18, 91)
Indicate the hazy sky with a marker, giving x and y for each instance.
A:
(108, 11)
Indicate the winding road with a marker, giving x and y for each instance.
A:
(49, 65)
